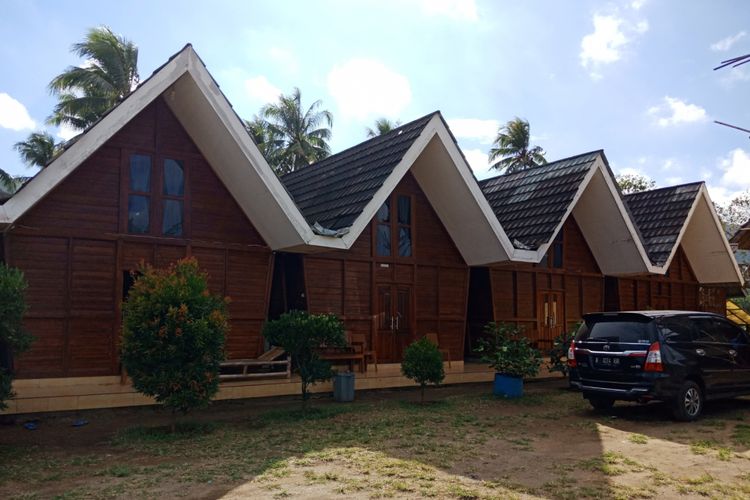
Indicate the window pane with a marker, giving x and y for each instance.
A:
(404, 210)
(172, 219)
(384, 212)
(404, 241)
(383, 243)
(557, 255)
(140, 173)
(138, 216)
(174, 178)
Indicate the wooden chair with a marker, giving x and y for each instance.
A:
(433, 337)
(264, 366)
(350, 354)
(359, 341)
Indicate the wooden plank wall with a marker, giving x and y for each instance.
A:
(679, 289)
(74, 251)
(344, 282)
(516, 286)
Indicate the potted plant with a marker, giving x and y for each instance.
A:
(506, 350)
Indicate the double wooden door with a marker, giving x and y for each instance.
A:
(394, 322)
(551, 314)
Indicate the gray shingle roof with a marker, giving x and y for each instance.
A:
(660, 215)
(531, 203)
(333, 192)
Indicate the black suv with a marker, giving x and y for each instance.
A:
(682, 358)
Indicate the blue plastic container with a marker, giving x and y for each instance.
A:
(507, 386)
(343, 387)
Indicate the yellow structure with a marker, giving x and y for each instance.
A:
(737, 315)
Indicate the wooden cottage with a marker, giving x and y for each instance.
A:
(394, 235)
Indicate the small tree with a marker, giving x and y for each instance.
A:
(558, 355)
(173, 336)
(13, 338)
(634, 183)
(423, 363)
(301, 335)
(506, 350)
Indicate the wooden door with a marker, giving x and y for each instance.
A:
(551, 314)
(393, 318)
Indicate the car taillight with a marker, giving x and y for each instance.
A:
(653, 359)
(572, 354)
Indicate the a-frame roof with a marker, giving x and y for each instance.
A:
(334, 192)
(660, 215)
(530, 204)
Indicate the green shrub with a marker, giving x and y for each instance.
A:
(506, 350)
(173, 336)
(13, 338)
(558, 355)
(423, 363)
(301, 335)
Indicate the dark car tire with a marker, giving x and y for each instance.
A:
(688, 404)
(600, 403)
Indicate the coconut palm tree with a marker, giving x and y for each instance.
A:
(511, 151)
(108, 75)
(267, 141)
(38, 150)
(8, 184)
(382, 126)
(302, 136)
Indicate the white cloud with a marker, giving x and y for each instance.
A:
(456, 9)
(66, 132)
(735, 75)
(261, 90)
(366, 88)
(669, 164)
(674, 111)
(478, 162)
(631, 171)
(483, 131)
(611, 35)
(735, 177)
(637, 4)
(13, 114)
(726, 43)
(673, 181)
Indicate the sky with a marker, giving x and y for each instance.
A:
(632, 77)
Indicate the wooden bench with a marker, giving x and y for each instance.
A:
(349, 354)
(267, 361)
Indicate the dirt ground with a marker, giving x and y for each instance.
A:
(463, 444)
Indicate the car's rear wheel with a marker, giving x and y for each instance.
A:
(688, 404)
(600, 403)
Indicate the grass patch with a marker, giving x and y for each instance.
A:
(741, 435)
(638, 439)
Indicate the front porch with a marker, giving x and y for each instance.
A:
(83, 393)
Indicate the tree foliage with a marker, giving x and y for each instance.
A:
(173, 336)
(381, 127)
(558, 355)
(37, 150)
(423, 363)
(301, 335)
(735, 213)
(511, 151)
(292, 137)
(506, 350)
(109, 74)
(13, 338)
(634, 183)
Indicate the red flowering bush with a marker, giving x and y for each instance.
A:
(173, 336)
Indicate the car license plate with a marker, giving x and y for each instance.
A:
(607, 361)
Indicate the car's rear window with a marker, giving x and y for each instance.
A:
(630, 331)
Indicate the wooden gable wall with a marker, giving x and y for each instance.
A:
(346, 282)
(517, 287)
(74, 249)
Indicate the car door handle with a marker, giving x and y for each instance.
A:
(732, 352)
(700, 352)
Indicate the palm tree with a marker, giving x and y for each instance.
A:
(38, 150)
(85, 93)
(302, 137)
(511, 151)
(382, 126)
(267, 141)
(8, 183)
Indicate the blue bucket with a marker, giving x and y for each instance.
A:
(507, 386)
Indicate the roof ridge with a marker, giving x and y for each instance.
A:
(628, 195)
(362, 144)
(539, 166)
